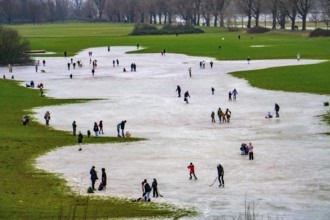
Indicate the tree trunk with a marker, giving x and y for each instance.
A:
(215, 22)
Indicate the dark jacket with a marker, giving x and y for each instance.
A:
(122, 125)
(220, 170)
(104, 178)
(80, 138)
(154, 184)
(147, 187)
(93, 174)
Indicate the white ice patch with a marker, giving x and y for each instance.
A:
(289, 178)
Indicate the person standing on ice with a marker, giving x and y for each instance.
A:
(101, 127)
(96, 129)
(277, 109)
(74, 128)
(94, 177)
(104, 178)
(220, 113)
(189, 70)
(212, 90)
(229, 96)
(186, 96)
(122, 127)
(154, 188)
(147, 191)
(220, 175)
(228, 115)
(234, 94)
(191, 168)
(178, 89)
(250, 147)
(213, 117)
(80, 139)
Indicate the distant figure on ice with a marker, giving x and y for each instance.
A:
(101, 127)
(228, 115)
(104, 180)
(96, 129)
(250, 147)
(191, 168)
(268, 115)
(94, 177)
(80, 139)
(277, 109)
(211, 64)
(108, 48)
(154, 188)
(186, 96)
(298, 56)
(220, 113)
(47, 117)
(234, 94)
(74, 128)
(147, 191)
(121, 126)
(248, 59)
(229, 96)
(220, 175)
(178, 89)
(213, 117)
(189, 70)
(212, 90)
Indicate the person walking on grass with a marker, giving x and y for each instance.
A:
(74, 128)
(220, 175)
(94, 177)
(80, 139)
(191, 168)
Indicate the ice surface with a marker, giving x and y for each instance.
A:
(289, 178)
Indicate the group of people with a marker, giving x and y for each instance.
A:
(232, 95)
(247, 150)
(223, 116)
(202, 64)
(94, 177)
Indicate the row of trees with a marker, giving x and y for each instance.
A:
(194, 12)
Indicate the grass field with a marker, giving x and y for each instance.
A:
(27, 193)
(30, 194)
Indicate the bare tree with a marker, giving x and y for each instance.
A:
(303, 8)
(325, 9)
(246, 7)
(100, 7)
(290, 8)
(77, 6)
(7, 10)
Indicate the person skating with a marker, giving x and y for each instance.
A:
(93, 176)
(213, 117)
(191, 168)
(74, 128)
(186, 96)
(80, 139)
(212, 90)
(178, 89)
(277, 109)
(229, 96)
(47, 117)
(250, 147)
(189, 70)
(220, 175)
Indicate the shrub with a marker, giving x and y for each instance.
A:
(320, 33)
(257, 30)
(13, 47)
(145, 29)
(90, 190)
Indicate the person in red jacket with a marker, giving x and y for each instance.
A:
(191, 168)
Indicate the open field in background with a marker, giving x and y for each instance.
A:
(30, 194)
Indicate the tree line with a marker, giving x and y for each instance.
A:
(217, 13)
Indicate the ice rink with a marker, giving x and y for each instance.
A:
(289, 178)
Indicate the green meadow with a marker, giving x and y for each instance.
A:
(27, 193)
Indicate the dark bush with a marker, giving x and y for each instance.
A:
(320, 33)
(13, 48)
(257, 30)
(145, 29)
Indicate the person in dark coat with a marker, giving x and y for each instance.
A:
(220, 114)
(96, 129)
(277, 109)
(186, 96)
(122, 127)
(80, 139)
(104, 178)
(147, 191)
(178, 89)
(220, 175)
(93, 177)
(74, 128)
(154, 188)
(101, 127)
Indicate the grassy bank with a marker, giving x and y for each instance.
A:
(30, 194)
